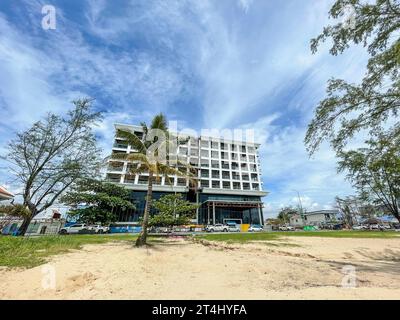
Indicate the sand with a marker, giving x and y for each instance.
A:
(292, 268)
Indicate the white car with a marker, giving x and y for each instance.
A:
(99, 229)
(75, 228)
(233, 228)
(361, 227)
(286, 228)
(255, 228)
(219, 227)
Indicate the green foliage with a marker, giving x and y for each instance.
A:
(375, 171)
(101, 200)
(172, 211)
(54, 153)
(369, 105)
(14, 210)
(285, 214)
(31, 252)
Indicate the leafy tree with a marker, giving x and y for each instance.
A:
(53, 154)
(172, 211)
(375, 171)
(369, 105)
(101, 201)
(154, 154)
(285, 214)
(349, 209)
(11, 211)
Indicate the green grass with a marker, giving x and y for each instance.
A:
(30, 252)
(270, 236)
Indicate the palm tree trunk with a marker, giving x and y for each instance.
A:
(141, 240)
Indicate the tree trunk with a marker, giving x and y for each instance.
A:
(25, 224)
(141, 240)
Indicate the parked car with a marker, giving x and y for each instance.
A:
(360, 227)
(75, 228)
(255, 228)
(99, 229)
(286, 228)
(233, 228)
(219, 227)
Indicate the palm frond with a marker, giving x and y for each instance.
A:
(133, 140)
(139, 157)
(159, 122)
(139, 169)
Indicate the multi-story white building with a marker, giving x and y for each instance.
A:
(229, 186)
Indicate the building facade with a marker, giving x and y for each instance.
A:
(228, 186)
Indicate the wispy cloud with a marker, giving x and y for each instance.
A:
(208, 64)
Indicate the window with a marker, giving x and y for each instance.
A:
(235, 176)
(252, 158)
(214, 154)
(226, 185)
(224, 155)
(254, 177)
(204, 163)
(243, 167)
(225, 175)
(251, 150)
(234, 156)
(245, 177)
(243, 157)
(205, 153)
(253, 168)
(216, 184)
(129, 179)
(246, 186)
(214, 164)
(256, 186)
(183, 151)
(236, 185)
(193, 142)
(181, 182)
(194, 161)
(169, 181)
(215, 174)
(205, 173)
(204, 143)
(224, 146)
(235, 166)
(194, 152)
(225, 165)
(233, 147)
(143, 180)
(205, 183)
(214, 145)
(243, 149)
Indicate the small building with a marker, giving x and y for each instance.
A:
(320, 217)
(296, 220)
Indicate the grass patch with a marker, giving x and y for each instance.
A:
(270, 236)
(33, 251)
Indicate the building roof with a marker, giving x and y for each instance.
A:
(4, 194)
(320, 212)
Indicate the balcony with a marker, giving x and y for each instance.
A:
(120, 145)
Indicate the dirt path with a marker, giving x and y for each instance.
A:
(294, 268)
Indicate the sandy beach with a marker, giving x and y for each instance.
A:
(291, 268)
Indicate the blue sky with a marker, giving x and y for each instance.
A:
(206, 64)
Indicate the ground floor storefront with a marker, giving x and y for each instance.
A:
(213, 208)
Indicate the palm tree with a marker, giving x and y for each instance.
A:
(156, 164)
